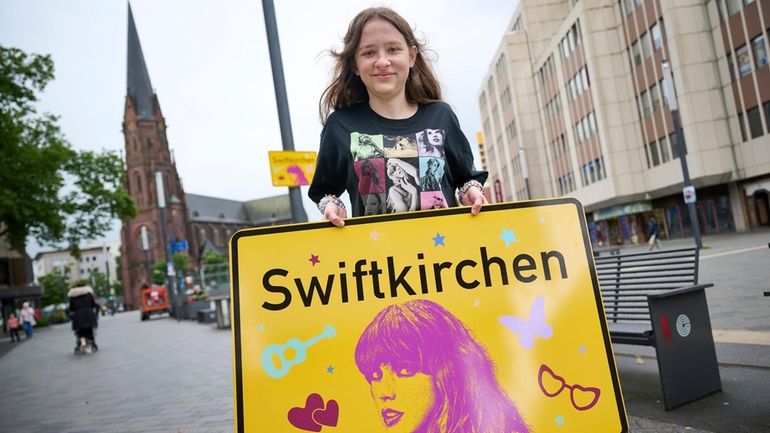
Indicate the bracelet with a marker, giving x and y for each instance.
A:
(468, 185)
(330, 198)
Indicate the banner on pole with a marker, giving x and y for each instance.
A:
(292, 168)
(399, 321)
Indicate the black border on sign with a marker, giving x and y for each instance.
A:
(235, 299)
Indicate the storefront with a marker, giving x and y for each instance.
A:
(712, 208)
(758, 202)
(624, 224)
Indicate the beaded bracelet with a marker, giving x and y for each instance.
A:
(468, 185)
(330, 198)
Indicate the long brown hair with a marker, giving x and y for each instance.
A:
(347, 89)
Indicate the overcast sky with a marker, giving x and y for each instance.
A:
(209, 64)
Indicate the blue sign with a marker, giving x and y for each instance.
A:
(177, 246)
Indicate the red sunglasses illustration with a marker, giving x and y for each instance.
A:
(582, 398)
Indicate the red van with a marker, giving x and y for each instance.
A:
(154, 301)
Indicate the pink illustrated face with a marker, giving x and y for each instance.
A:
(403, 397)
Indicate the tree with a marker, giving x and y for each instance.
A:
(47, 189)
(181, 262)
(55, 287)
(159, 273)
(212, 258)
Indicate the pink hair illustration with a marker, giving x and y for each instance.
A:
(297, 171)
(421, 339)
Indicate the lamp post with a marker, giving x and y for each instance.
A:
(169, 266)
(689, 189)
(284, 120)
(146, 248)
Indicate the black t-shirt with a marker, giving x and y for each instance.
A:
(389, 165)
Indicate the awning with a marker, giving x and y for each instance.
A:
(622, 209)
(753, 187)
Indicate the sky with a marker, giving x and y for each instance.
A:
(210, 67)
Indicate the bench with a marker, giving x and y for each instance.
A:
(654, 299)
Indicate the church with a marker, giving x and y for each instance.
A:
(194, 223)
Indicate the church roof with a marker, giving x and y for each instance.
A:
(262, 211)
(202, 208)
(269, 210)
(138, 79)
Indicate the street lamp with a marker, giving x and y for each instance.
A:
(146, 248)
(689, 189)
(169, 266)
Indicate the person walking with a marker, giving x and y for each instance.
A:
(13, 328)
(653, 234)
(27, 319)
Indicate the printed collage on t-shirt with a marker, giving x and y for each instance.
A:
(398, 173)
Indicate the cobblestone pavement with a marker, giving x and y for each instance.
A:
(176, 377)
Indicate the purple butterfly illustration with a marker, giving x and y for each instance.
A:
(529, 329)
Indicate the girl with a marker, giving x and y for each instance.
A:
(384, 87)
(427, 374)
(13, 328)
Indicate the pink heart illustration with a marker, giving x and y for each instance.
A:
(302, 417)
(328, 416)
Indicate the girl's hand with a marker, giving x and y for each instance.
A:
(475, 199)
(335, 214)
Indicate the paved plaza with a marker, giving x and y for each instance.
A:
(167, 376)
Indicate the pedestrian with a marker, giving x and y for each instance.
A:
(13, 328)
(653, 233)
(83, 311)
(27, 319)
(384, 91)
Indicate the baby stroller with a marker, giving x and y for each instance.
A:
(83, 311)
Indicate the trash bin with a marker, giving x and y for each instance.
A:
(207, 316)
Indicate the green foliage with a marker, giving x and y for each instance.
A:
(159, 273)
(37, 161)
(55, 288)
(118, 285)
(42, 323)
(58, 316)
(98, 281)
(181, 262)
(213, 258)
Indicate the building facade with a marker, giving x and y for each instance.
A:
(577, 103)
(99, 258)
(194, 224)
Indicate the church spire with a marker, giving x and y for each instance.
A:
(138, 79)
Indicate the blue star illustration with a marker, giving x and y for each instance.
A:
(438, 240)
(330, 369)
(559, 420)
(582, 349)
(508, 237)
(261, 328)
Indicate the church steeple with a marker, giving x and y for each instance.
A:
(138, 79)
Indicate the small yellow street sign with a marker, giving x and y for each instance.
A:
(292, 168)
(395, 322)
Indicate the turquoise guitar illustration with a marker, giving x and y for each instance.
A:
(300, 353)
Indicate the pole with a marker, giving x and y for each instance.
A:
(271, 27)
(680, 149)
(170, 287)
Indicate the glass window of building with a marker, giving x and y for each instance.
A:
(748, 2)
(755, 122)
(645, 41)
(733, 7)
(584, 77)
(731, 66)
(719, 9)
(665, 156)
(760, 52)
(636, 54)
(628, 7)
(654, 153)
(766, 106)
(657, 39)
(742, 126)
(655, 96)
(646, 109)
(638, 3)
(592, 122)
(744, 61)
